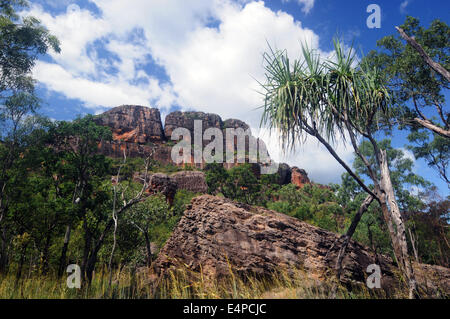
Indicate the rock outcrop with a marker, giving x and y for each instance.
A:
(299, 177)
(234, 123)
(192, 181)
(158, 184)
(186, 120)
(285, 173)
(133, 124)
(138, 132)
(215, 233)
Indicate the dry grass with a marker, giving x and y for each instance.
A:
(180, 284)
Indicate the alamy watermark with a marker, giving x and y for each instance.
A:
(374, 280)
(240, 147)
(374, 19)
(74, 279)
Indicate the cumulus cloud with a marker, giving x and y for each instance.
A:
(306, 5)
(211, 52)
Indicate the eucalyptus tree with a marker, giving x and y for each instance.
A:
(77, 145)
(416, 64)
(146, 214)
(22, 41)
(338, 99)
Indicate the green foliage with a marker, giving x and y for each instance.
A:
(417, 88)
(430, 231)
(22, 40)
(153, 210)
(312, 203)
(216, 177)
(435, 150)
(326, 97)
(241, 184)
(181, 200)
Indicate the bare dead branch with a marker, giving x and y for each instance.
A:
(426, 58)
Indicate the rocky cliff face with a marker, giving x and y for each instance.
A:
(215, 233)
(187, 119)
(299, 177)
(133, 124)
(138, 131)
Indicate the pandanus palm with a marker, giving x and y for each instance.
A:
(337, 99)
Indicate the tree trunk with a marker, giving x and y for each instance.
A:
(436, 129)
(90, 267)
(398, 235)
(413, 244)
(149, 249)
(351, 230)
(86, 253)
(63, 258)
(21, 262)
(3, 251)
(45, 255)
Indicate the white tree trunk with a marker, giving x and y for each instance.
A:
(400, 231)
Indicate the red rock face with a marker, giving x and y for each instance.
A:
(299, 177)
(133, 124)
(138, 131)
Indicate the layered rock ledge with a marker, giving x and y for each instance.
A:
(215, 233)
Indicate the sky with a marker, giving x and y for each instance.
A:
(204, 55)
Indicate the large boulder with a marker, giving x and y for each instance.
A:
(158, 184)
(193, 181)
(216, 233)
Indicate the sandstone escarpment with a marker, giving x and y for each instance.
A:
(138, 132)
(215, 233)
(285, 173)
(187, 119)
(133, 124)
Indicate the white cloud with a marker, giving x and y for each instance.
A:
(210, 50)
(306, 5)
(97, 94)
(310, 155)
(215, 70)
(403, 6)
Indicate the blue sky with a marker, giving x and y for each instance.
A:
(202, 55)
